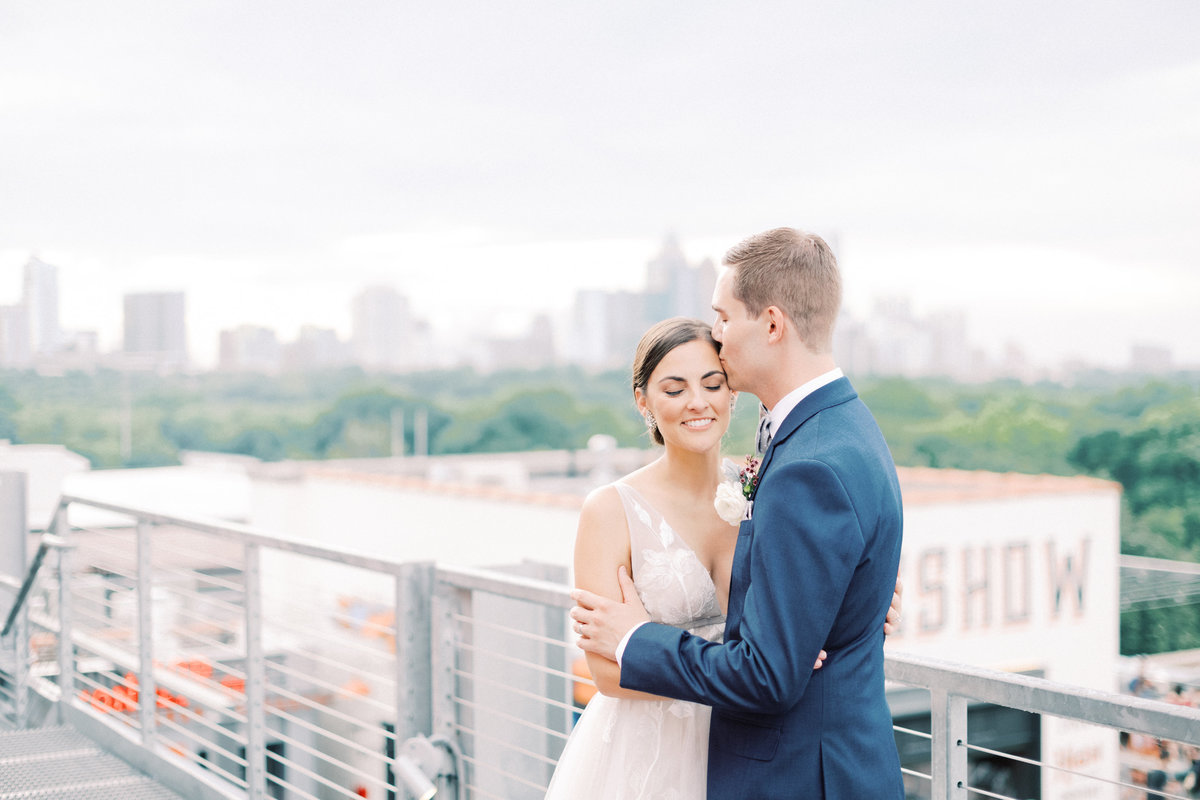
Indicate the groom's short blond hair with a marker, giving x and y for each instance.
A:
(794, 271)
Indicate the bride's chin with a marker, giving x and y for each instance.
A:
(696, 444)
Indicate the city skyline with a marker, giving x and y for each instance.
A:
(1032, 166)
(599, 331)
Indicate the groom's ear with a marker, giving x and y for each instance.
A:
(776, 324)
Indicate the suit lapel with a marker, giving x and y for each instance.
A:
(831, 394)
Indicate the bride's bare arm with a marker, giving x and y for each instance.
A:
(601, 546)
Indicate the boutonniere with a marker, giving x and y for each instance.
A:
(733, 493)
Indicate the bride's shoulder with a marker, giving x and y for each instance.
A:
(603, 501)
(602, 520)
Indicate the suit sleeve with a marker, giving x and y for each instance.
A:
(807, 543)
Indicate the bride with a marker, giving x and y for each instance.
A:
(659, 523)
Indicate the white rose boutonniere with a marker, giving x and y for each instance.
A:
(730, 502)
(733, 493)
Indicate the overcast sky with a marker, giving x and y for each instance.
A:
(1035, 164)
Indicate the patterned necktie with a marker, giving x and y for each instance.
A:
(764, 431)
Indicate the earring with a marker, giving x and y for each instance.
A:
(732, 403)
(651, 422)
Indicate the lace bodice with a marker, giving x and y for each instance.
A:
(634, 748)
(673, 585)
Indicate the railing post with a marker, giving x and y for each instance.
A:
(414, 660)
(14, 537)
(147, 688)
(948, 725)
(256, 749)
(66, 642)
(20, 644)
(449, 602)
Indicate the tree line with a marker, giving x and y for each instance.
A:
(1142, 433)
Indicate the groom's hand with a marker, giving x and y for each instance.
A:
(602, 622)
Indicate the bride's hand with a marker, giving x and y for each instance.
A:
(820, 660)
(891, 623)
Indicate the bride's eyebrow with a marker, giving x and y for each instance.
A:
(704, 377)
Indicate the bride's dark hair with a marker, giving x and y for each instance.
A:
(662, 338)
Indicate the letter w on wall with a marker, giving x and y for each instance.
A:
(1068, 576)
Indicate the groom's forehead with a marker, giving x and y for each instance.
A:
(724, 299)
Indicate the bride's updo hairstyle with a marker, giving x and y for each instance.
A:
(662, 338)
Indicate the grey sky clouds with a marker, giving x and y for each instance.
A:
(1045, 151)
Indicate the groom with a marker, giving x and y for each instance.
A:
(815, 564)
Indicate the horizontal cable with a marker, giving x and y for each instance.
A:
(321, 779)
(319, 708)
(325, 733)
(361, 647)
(492, 654)
(331, 687)
(199, 719)
(496, 713)
(351, 621)
(529, 635)
(231, 650)
(974, 790)
(106, 623)
(293, 789)
(351, 669)
(547, 701)
(234, 610)
(911, 732)
(1047, 766)
(488, 768)
(204, 575)
(208, 744)
(508, 745)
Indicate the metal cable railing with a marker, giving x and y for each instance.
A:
(502, 697)
(190, 640)
(258, 666)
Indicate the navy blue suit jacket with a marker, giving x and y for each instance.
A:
(814, 568)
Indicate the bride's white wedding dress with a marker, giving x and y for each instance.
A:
(647, 749)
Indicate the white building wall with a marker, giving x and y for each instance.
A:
(1027, 582)
(385, 519)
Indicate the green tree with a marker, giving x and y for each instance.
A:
(8, 411)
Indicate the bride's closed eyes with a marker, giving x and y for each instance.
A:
(717, 384)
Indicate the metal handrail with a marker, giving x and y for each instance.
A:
(48, 541)
(1023, 692)
(457, 678)
(1040, 696)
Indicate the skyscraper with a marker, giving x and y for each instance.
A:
(40, 299)
(385, 335)
(252, 348)
(155, 328)
(14, 336)
(606, 326)
(675, 288)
